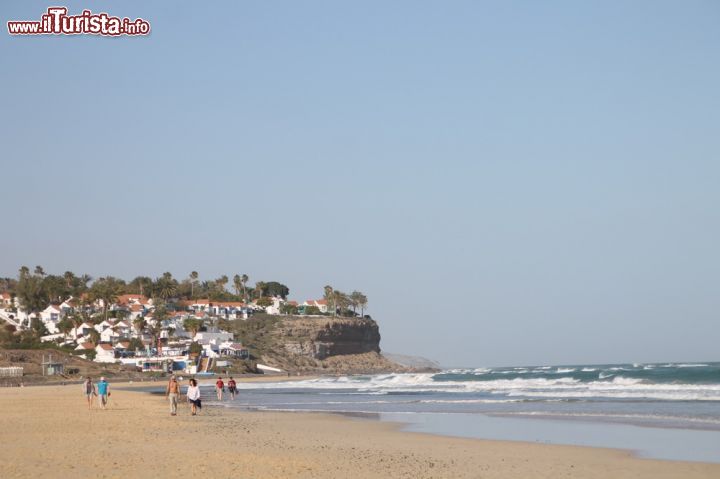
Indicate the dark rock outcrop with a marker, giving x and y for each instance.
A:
(320, 338)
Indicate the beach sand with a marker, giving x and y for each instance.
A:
(47, 431)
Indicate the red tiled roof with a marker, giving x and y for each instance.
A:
(105, 346)
(87, 345)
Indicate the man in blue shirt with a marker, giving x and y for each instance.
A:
(103, 390)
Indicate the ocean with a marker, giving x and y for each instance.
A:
(661, 410)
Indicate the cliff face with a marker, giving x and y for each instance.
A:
(320, 338)
(314, 345)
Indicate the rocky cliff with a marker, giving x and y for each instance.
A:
(320, 338)
(315, 344)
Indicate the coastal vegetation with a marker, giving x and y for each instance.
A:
(36, 289)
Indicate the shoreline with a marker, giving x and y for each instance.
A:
(136, 437)
(643, 440)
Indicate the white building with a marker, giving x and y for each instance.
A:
(104, 353)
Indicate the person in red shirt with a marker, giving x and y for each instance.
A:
(232, 388)
(219, 388)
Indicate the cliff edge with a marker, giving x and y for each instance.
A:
(315, 344)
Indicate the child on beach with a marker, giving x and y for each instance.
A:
(89, 391)
(232, 388)
(219, 388)
(193, 397)
(103, 390)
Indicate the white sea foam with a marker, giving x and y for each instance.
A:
(588, 370)
(561, 387)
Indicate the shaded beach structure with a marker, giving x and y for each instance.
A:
(52, 368)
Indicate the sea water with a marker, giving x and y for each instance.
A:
(663, 410)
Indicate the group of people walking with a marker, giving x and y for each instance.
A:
(101, 389)
(92, 390)
(172, 393)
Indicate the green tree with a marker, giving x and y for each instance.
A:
(106, 290)
(358, 300)
(139, 324)
(328, 295)
(65, 325)
(244, 279)
(340, 302)
(195, 348)
(141, 285)
(192, 326)
(259, 289)
(30, 292)
(222, 281)
(275, 289)
(264, 302)
(287, 308)
(237, 284)
(363, 302)
(94, 337)
(193, 281)
(70, 279)
(165, 286)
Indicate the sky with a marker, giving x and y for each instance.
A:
(510, 183)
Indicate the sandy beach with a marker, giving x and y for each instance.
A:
(48, 431)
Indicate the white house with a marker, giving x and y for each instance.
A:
(104, 353)
(50, 316)
(109, 335)
(206, 337)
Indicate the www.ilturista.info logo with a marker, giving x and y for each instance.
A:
(57, 22)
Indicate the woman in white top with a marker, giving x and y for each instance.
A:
(193, 396)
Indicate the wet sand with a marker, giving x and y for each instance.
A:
(47, 431)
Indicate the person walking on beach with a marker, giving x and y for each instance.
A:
(193, 397)
(219, 388)
(172, 392)
(89, 391)
(103, 390)
(232, 388)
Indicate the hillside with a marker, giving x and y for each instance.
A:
(75, 368)
(320, 344)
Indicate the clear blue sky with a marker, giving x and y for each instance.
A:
(509, 182)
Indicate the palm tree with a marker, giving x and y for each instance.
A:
(237, 284)
(69, 279)
(107, 290)
(39, 271)
(139, 325)
(363, 304)
(355, 298)
(193, 280)
(329, 297)
(166, 286)
(222, 281)
(259, 289)
(244, 279)
(340, 300)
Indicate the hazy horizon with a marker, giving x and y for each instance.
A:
(510, 183)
